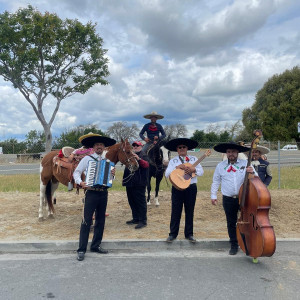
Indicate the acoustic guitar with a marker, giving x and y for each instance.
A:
(181, 180)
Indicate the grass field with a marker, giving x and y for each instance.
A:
(289, 179)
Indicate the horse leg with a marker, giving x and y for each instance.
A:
(148, 191)
(159, 177)
(54, 186)
(42, 201)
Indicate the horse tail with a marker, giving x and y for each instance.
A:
(49, 195)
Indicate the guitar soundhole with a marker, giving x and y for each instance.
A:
(187, 176)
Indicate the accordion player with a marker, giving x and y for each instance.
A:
(98, 173)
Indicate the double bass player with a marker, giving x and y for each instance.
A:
(230, 174)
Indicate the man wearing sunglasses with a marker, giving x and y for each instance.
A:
(135, 184)
(186, 197)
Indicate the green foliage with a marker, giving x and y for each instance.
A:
(211, 138)
(35, 141)
(12, 146)
(70, 137)
(276, 107)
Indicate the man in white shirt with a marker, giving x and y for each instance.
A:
(186, 197)
(95, 198)
(230, 174)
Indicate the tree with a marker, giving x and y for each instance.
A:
(199, 136)
(35, 141)
(12, 146)
(276, 107)
(175, 131)
(120, 130)
(70, 137)
(44, 56)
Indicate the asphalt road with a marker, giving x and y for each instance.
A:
(178, 271)
(287, 158)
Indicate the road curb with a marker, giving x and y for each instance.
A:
(134, 245)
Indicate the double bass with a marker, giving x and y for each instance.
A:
(255, 234)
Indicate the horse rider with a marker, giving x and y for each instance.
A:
(152, 129)
(261, 166)
(186, 197)
(230, 174)
(136, 187)
(95, 198)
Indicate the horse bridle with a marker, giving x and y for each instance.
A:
(128, 158)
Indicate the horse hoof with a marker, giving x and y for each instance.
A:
(157, 204)
(148, 203)
(50, 217)
(41, 219)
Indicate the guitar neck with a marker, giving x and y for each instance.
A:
(198, 161)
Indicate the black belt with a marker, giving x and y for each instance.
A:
(234, 197)
(97, 189)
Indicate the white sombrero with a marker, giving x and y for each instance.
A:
(153, 114)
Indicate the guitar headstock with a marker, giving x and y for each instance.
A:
(207, 152)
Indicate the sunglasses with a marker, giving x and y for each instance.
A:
(181, 147)
(135, 145)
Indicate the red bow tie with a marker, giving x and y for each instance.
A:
(231, 169)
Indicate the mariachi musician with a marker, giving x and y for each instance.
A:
(95, 198)
(261, 165)
(230, 174)
(186, 197)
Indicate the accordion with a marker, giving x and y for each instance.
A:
(98, 173)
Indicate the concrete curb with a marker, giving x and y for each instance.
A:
(133, 245)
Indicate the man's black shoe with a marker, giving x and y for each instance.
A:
(170, 239)
(99, 250)
(233, 251)
(131, 222)
(140, 225)
(191, 239)
(80, 256)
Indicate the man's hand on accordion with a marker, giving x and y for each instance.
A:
(83, 184)
(113, 172)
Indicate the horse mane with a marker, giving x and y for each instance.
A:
(112, 152)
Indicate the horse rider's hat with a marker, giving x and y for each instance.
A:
(263, 150)
(88, 140)
(153, 114)
(223, 147)
(173, 144)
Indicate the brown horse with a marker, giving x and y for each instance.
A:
(51, 174)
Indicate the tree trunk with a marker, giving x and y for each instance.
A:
(48, 136)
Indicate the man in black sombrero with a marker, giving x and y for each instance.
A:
(153, 130)
(186, 197)
(95, 198)
(230, 174)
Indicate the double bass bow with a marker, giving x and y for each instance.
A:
(255, 234)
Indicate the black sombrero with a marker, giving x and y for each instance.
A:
(223, 147)
(172, 145)
(88, 140)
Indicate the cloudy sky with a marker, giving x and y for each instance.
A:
(195, 62)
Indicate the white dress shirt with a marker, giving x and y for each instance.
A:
(174, 162)
(82, 166)
(230, 181)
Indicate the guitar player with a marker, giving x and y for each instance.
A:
(186, 197)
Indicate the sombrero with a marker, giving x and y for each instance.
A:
(88, 140)
(223, 147)
(263, 150)
(153, 114)
(172, 145)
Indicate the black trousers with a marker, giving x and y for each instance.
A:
(137, 202)
(231, 207)
(186, 198)
(94, 202)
